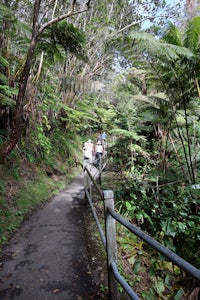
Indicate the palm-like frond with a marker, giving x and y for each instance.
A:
(192, 34)
(3, 61)
(53, 52)
(6, 14)
(128, 134)
(147, 44)
(6, 92)
(6, 101)
(138, 149)
(145, 100)
(3, 79)
(71, 38)
(172, 35)
(154, 100)
(105, 115)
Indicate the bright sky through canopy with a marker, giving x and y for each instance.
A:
(172, 3)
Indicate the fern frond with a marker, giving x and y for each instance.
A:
(192, 34)
(3, 61)
(6, 14)
(144, 99)
(157, 48)
(6, 101)
(8, 90)
(3, 79)
(172, 35)
(138, 149)
(153, 100)
(127, 134)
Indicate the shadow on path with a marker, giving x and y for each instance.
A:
(51, 257)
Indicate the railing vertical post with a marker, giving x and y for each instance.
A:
(87, 180)
(111, 244)
(100, 168)
(90, 187)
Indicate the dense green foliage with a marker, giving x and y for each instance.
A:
(96, 70)
(157, 146)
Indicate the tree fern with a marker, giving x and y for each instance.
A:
(70, 38)
(175, 66)
(152, 47)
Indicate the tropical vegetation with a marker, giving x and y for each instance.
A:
(79, 68)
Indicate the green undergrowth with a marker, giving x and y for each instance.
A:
(38, 168)
(149, 274)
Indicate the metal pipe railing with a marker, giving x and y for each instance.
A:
(101, 232)
(123, 282)
(177, 260)
(94, 182)
(109, 241)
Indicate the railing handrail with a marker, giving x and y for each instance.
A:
(111, 264)
(170, 255)
(101, 232)
(123, 282)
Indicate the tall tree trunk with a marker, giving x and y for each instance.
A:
(191, 5)
(9, 145)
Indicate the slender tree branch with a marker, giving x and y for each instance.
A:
(40, 66)
(177, 155)
(139, 22)
(60, 18)
(54, 9)
(197, 83)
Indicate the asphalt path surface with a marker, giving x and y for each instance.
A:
(49, 257)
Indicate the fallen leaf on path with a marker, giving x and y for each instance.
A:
(56, 291)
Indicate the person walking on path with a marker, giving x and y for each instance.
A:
(103, 138)
(88, 152)
(98, 152)
(99, 137)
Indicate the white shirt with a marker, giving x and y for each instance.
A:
(88, 150)
(99, 148)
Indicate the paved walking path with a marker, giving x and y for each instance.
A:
(49, 258)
